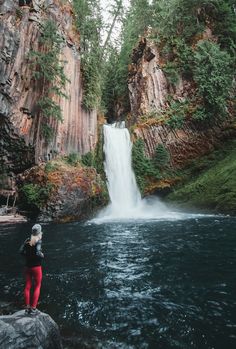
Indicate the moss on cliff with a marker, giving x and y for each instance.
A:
(61, 191)
(214, 183)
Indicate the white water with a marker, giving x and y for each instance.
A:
(125, 199)
(121, 183)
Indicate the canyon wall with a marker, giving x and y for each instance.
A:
(20, 146)
(150, 93)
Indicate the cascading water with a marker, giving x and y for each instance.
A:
(121, 182)
(125, 198)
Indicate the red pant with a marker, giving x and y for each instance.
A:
(35, 274)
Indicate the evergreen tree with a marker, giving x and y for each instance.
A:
(48, 71)
(135, 25)
(213, 74)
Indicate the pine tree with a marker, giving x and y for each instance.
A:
(48, 71)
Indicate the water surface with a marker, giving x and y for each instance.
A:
(133, 285)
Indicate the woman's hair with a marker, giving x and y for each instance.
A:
(34, 239)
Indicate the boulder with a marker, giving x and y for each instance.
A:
(29, 331)
(63, 193)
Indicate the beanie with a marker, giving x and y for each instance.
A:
(36, 229)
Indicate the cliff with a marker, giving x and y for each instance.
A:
(148, 85)
(20, 145)
(61, 192)
(151, 95)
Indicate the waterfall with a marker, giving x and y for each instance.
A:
(121, 183)
(125, 197)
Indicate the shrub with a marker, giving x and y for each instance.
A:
(171, 71)
(176, 113)
(143, 166)
(161, 157)
(73, 159)
(176, 121)
(88, 159)
(200, 114)
(50, 167)
(35, 195)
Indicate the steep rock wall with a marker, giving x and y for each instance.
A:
(148, 86)
(185, 144)
(20, 31)
(149, 92)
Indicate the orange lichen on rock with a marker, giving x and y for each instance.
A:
(73, 189)
(158, 185)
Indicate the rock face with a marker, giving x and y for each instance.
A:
(24, 331)
(185, 144)
(20, 147)
(149, 91)
(148, 85)
(72, 193)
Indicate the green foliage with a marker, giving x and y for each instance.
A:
(88, 20)
(176, 26)
(215, 187)
(48, 71)
(224, 19)
(99, 154)
(134, 25)
(161, 157)
(88, 159)
(47, 132)
(171, 72)
(178, 17)
(51, 167)
(200, 114)
(109, 95)
(176, 114)
(213, 75)
(73, 159)
(50, 108)
(91, 82)
(143, 166)
(35, 195)
(176, 121)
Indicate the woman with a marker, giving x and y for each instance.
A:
(31, 250)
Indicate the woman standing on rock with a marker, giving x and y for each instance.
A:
(31, 250)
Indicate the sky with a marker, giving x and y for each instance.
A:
(106, 5)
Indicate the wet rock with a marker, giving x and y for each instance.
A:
(29, 331)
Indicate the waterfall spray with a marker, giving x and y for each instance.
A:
(125, 197)
(121, 182)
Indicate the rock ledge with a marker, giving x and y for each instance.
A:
(29, 331)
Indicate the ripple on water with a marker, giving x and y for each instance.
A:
(163, 284)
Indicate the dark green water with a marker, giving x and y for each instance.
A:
(156, 285)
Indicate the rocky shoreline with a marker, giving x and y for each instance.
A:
(20, 330)
(17, 218)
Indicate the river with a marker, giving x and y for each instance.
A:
(133, 285)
